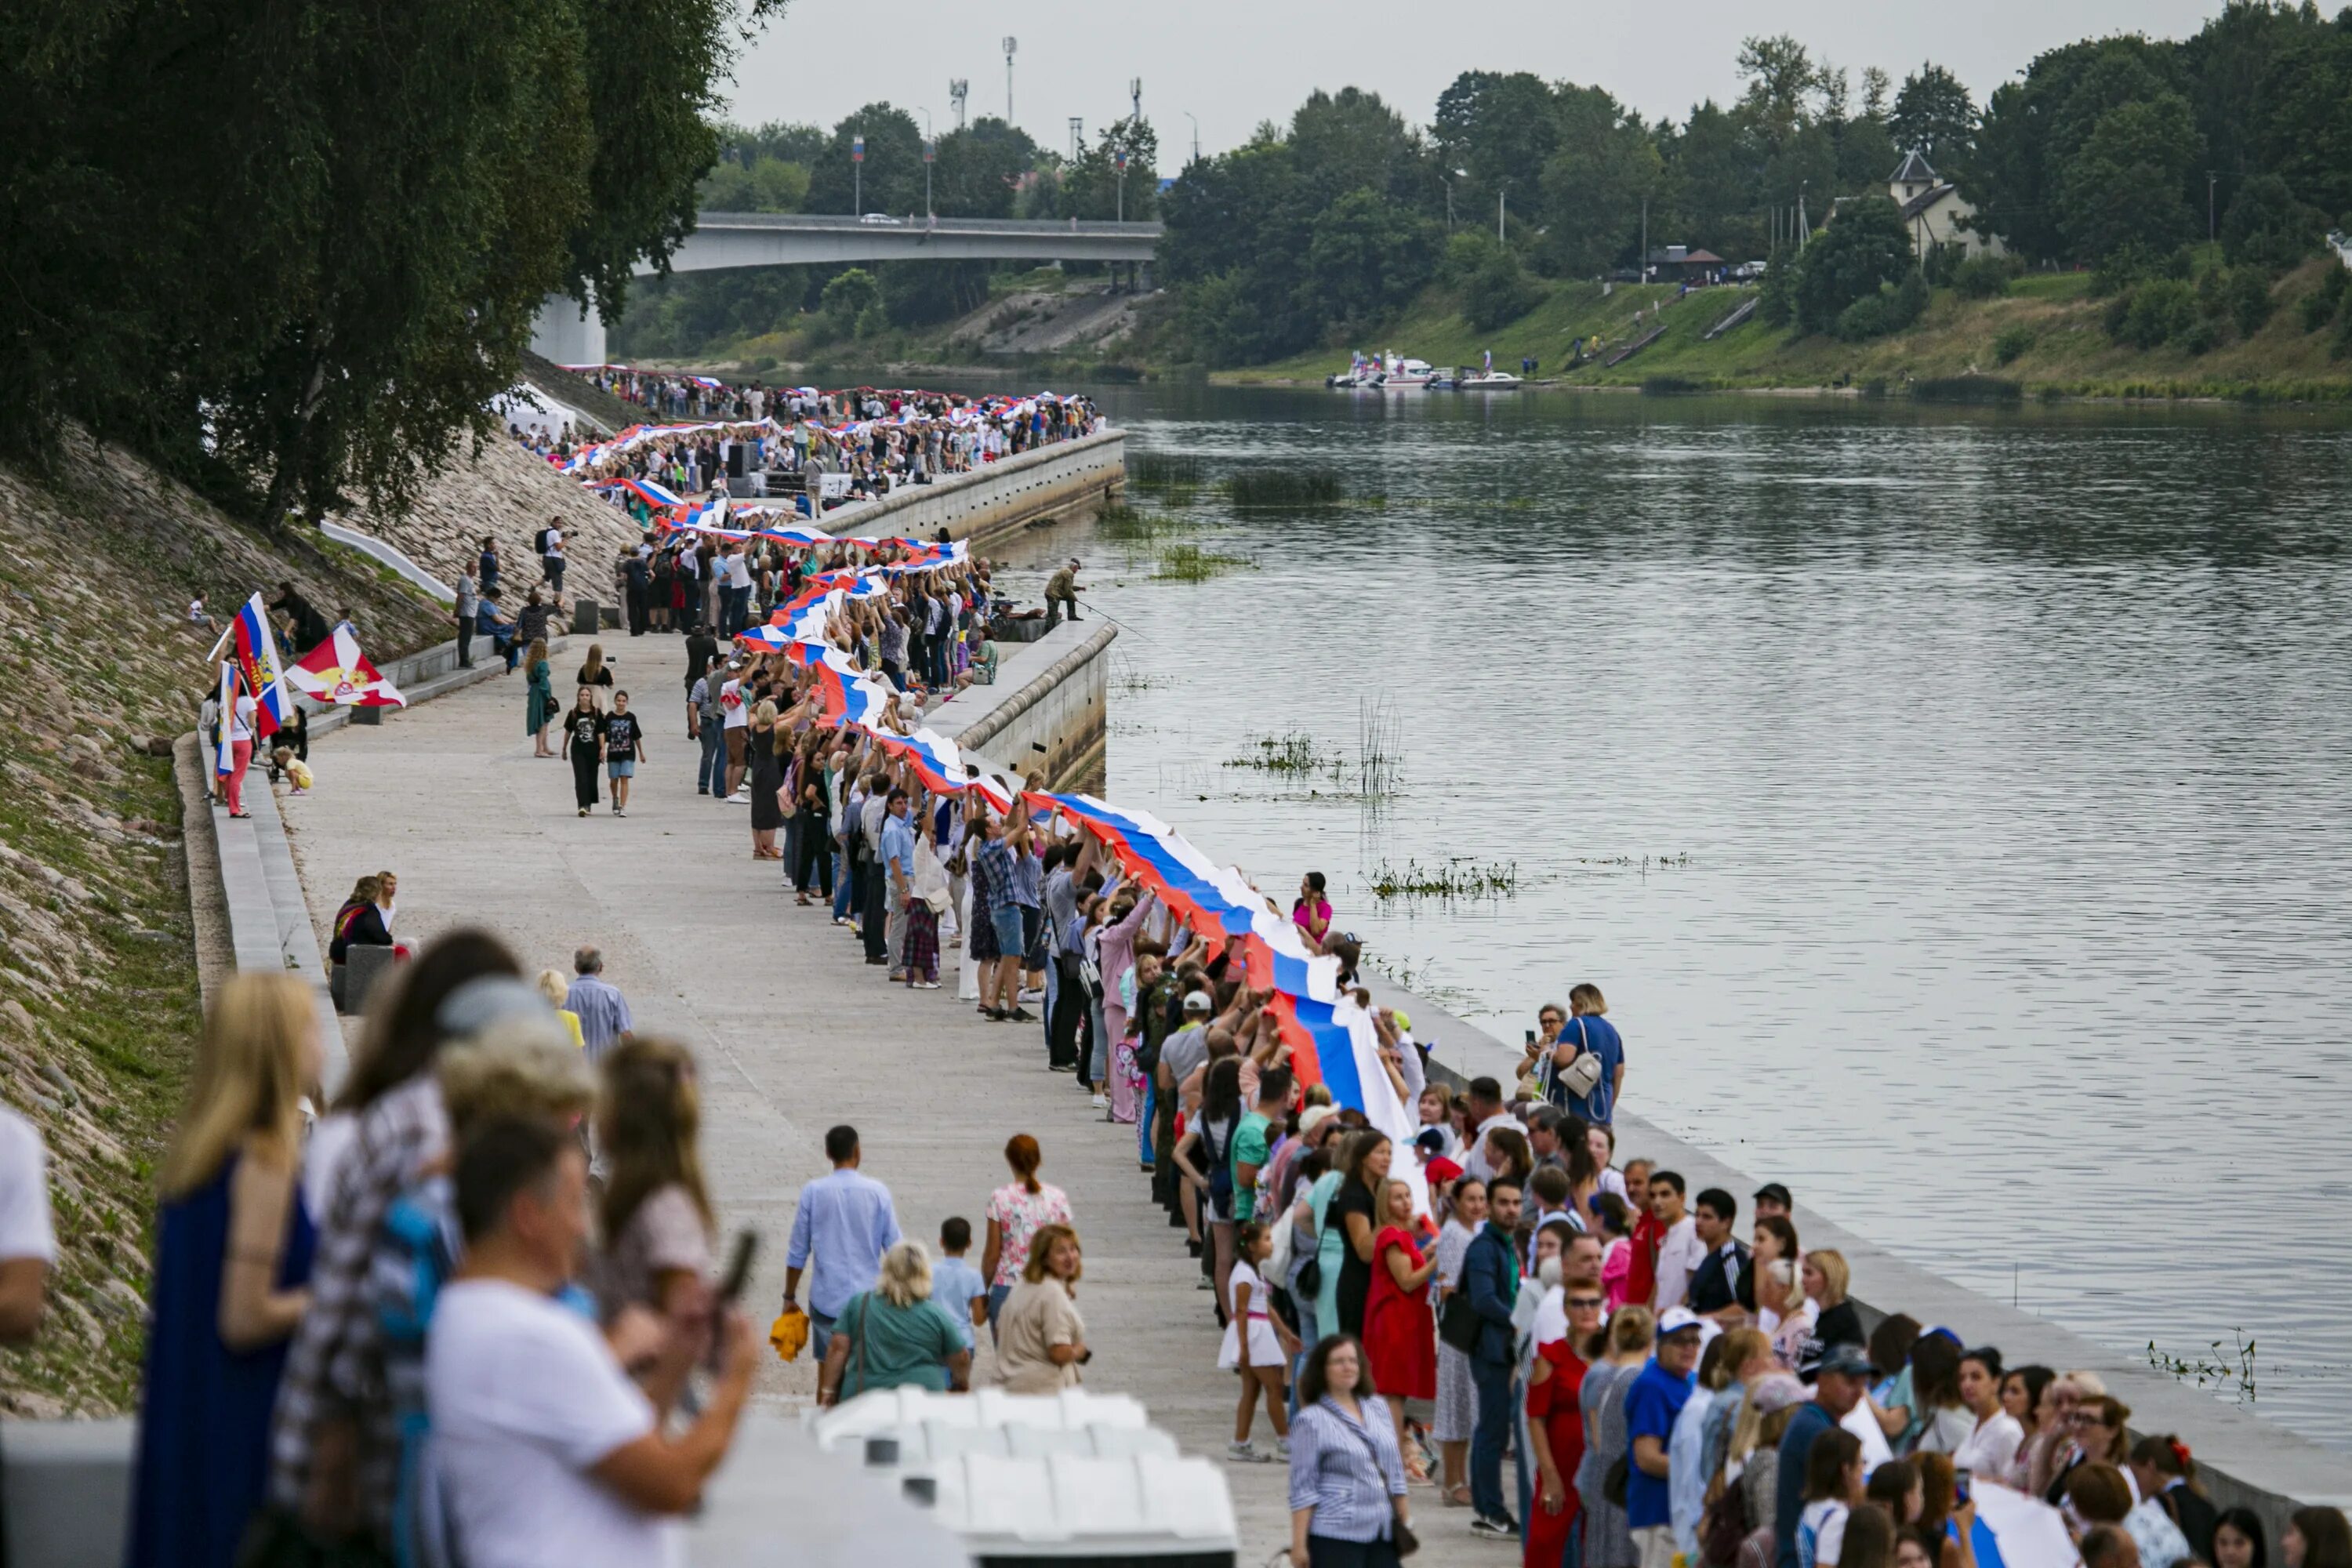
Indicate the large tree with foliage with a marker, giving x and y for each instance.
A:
(1935, 117)
(294, 251)
(1865, 249)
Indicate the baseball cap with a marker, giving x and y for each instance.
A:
(1442, 1170)
(1850, 1360)
(1775, 1193)
(1313, 1116)
(1431, 1139)
(1196, 1002)
(1675, 1320)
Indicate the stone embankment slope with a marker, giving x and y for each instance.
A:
(99, 1008)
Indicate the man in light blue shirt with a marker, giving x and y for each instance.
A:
(604, 1012)
(843, 1225)
(897, 878)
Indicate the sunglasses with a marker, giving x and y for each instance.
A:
(1585, 1302)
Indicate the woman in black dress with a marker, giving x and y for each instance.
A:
(767, 778)
(1364, 1170)
(584, 742)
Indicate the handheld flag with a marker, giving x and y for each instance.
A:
(224, 761)
(256, 663)
(337, 672)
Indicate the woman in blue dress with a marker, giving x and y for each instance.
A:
(232, 1267)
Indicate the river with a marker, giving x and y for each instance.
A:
(1952, 805)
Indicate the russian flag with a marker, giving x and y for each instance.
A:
(257, 665)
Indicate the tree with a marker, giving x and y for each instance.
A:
(2032, 131)
(979, 168)
(2266, 227)
(890, 180)
(1500, 128)
(1367, 257)
(1592, 191)
(767, 185)
(1865, 250)
(1090, 186)
(849, 297)
(1780, 77)
(1934, 117)
(2124, 190)
(1494, 288)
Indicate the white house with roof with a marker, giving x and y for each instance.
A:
(1933, 211)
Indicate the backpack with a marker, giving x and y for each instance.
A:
(539, 541)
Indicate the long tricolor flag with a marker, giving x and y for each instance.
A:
(224, 760)
(337, 673)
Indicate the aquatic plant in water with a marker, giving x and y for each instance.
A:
(1191, 564)
(1452, 879)
(1284, 488)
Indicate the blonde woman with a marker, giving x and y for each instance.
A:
(1041, 1340)
(1825, 1280)
(895, 1335)
(234, 1243)
(555, 988)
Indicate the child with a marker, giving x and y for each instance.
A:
(299, 771)
(956, 1285)
(1257, 1344)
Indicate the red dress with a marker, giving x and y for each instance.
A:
(1642, 1277)
(1399, 1330)
(1554, 1403)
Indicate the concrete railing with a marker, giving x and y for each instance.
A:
(2241, 1459)
(1033, 487)
(1047, 710)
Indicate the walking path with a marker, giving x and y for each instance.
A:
(795, 1032)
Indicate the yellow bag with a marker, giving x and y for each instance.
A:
(788, 1334)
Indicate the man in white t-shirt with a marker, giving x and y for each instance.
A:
(1486, 1113)
(1681, 1253)
(547, 1454)
(29, 1243)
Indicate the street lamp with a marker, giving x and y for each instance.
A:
(1196, 135)
(858, 175)
(1011, 46)
(1119, 161)
(1458, 175)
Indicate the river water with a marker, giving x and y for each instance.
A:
(1953, 806)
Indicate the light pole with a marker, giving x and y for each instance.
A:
(1805, 229)
(1502, 200)
(858, 175)
(1196, 135)
(1119, 161)
(2210, 232)
(930, 147)
(1078, 134)
(1458, 175)
(1011, 45)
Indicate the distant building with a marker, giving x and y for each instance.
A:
(1680, 263)
(1933, 211)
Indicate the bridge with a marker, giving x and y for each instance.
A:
(782, 240)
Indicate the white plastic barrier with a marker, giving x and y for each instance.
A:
(1076, 1476)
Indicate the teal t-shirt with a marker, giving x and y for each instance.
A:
(1249, 1148)
(893, 1347)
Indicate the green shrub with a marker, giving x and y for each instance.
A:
(1984, 277)
(1909, 303)
(1871, 316)
(2201, 337)
(1776, 302)
(2319, 305)
(2248, 296)
(2011, 342)
(2341, 346)
(2152, 313)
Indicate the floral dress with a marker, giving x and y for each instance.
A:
(1019, 1214)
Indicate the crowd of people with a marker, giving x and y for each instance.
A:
(831, 448)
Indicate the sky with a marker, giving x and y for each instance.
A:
(1233, 63)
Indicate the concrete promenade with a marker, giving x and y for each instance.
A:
(795, 1032)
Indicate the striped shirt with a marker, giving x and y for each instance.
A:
(1333, 1469)
(603, 1014)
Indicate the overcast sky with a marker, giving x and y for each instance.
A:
(1236, 62)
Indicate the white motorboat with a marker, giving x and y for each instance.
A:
(1409, 372)
(1489, 381)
